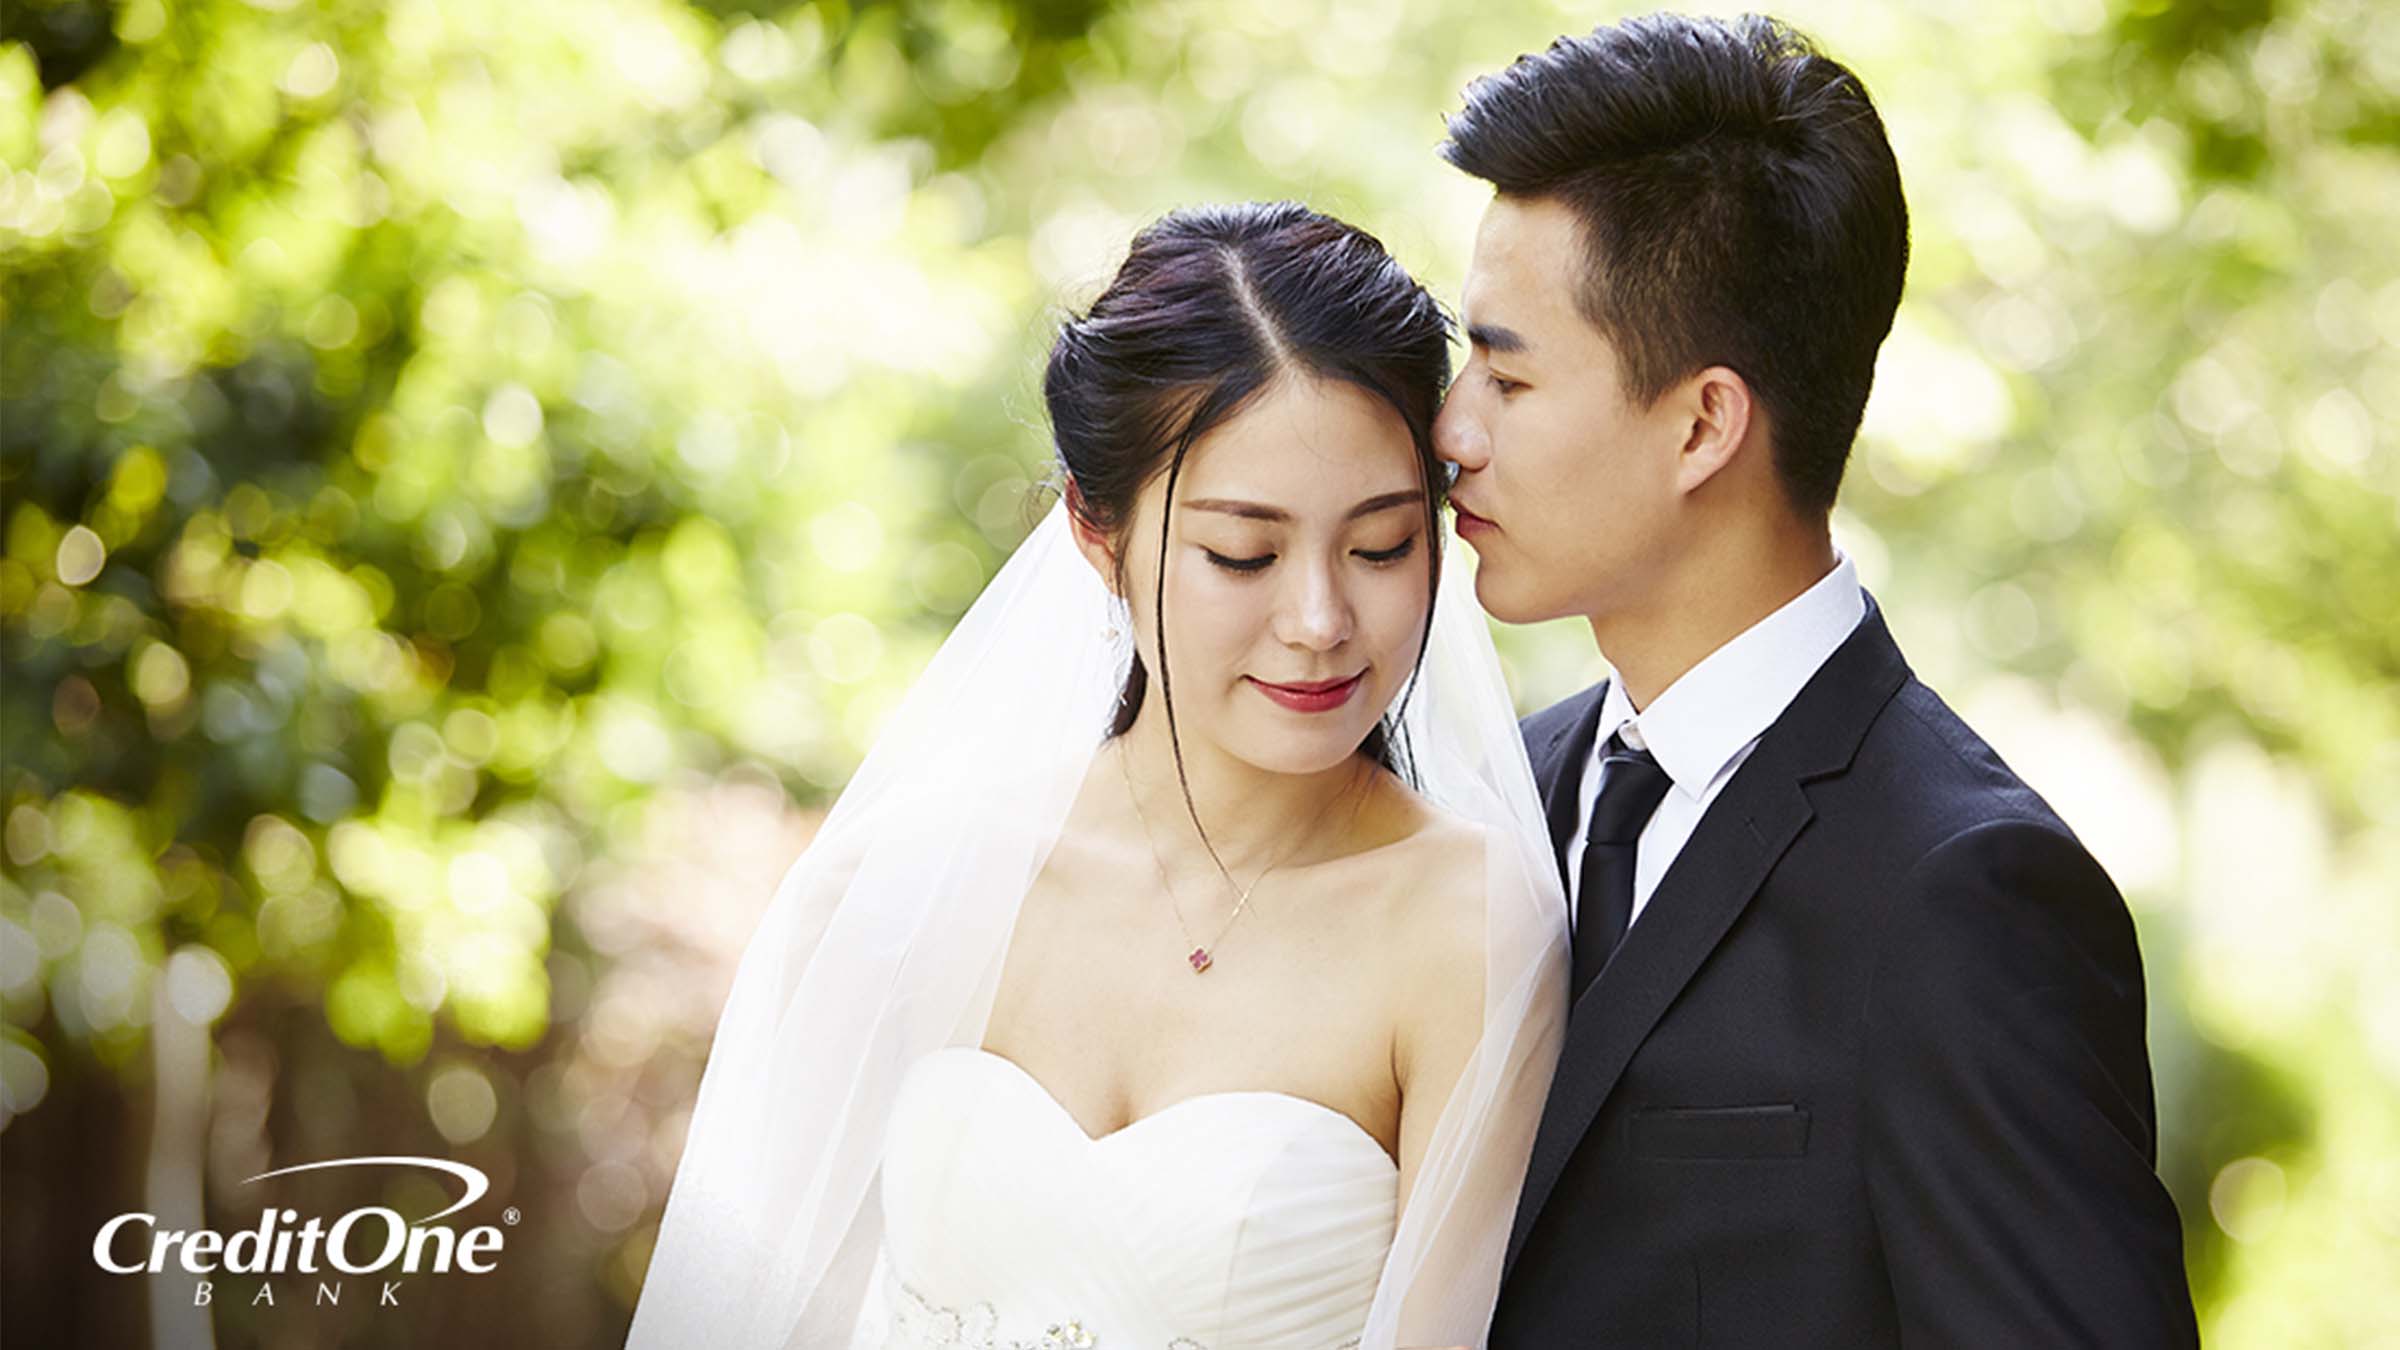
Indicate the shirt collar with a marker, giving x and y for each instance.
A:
(1721, 705)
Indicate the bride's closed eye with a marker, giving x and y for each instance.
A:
(1259, 564)
(1256, 564)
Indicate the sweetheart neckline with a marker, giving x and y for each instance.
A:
(1019, 1071)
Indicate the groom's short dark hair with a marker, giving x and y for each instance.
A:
(1740, 202)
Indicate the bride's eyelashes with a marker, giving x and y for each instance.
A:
(1381, 557)
(1257, 564)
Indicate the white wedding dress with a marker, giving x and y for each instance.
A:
(858, 1174)
(1226, 1221)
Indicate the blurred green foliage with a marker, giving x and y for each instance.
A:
(447, 444)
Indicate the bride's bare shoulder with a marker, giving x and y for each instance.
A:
(1429, 866)
(1432, 915)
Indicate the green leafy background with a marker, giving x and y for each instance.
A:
(477, 473)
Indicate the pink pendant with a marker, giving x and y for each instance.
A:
(1200, 959)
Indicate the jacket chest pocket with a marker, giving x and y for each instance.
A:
(1774, 1131)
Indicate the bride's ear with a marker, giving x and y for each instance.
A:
(1091, 541)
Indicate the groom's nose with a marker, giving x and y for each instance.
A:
(1458, 434)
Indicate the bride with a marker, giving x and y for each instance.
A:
(1182, 970)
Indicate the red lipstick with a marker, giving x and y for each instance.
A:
(1312, 696)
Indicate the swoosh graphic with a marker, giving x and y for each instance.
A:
(477, 1184)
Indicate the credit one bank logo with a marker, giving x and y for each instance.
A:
(371, 1240)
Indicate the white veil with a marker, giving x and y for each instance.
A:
(886, 938)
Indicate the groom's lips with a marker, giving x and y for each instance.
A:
(1470, 524)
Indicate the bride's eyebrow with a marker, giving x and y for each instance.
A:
(1262, 511)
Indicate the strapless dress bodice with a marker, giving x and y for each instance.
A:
(1227, 1221)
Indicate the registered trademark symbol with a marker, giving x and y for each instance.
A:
(510, 1216)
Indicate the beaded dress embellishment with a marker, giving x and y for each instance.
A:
(922, 1326)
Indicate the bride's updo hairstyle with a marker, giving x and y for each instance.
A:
(1212, 305)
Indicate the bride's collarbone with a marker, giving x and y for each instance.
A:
(1099, 1005)
(1373, 886)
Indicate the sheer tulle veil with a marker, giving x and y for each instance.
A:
(885, 941)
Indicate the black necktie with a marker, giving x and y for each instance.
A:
(1630, 785)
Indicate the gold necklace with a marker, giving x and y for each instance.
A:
(1200, 957)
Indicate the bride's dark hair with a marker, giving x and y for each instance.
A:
(1212, 305)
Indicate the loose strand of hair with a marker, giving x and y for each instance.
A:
(1158, 619)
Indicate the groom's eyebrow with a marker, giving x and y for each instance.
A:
(1262, 511)
(1493, 338)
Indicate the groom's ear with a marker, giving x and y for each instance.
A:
(1092, 541)
(1718, 409)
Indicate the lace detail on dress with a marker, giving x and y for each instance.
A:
(919, 1325)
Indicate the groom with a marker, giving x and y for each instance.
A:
(1856, 1054)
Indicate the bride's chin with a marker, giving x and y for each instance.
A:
(1288, 766)
(1300, 754)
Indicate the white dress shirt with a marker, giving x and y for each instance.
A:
(1706, 723)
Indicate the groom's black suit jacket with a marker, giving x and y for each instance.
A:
(1868, 1070)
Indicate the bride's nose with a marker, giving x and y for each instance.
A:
(1315, 612)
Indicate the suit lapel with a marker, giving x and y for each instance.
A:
(1728, 857)
(1707, 888)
